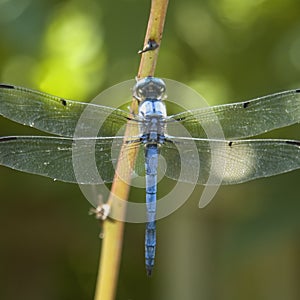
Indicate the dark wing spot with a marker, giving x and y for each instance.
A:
(230, 144)
(180, 119)
(246, 104)
(7, 86)
(297, 91)
(63, 102)
(8, 138)
(296, 143)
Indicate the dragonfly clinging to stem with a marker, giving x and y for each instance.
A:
(246, 159)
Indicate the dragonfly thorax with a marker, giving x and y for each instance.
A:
(152, 128)
(152, 108)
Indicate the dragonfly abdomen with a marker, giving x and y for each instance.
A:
(151, 162)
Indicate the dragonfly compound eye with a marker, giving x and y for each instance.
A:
(149, 88)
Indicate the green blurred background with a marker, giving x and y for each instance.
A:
(245, 244)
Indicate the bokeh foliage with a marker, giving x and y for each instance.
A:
(245, 244)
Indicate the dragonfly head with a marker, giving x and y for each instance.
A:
(149, 88)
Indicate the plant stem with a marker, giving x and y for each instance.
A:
(154, 32)
(113, 231)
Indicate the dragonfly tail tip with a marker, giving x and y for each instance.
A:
(149, 272)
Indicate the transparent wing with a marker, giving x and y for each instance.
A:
(56, 115)
(239, 161)
(244, 119)
(245, 160)
(52, 157)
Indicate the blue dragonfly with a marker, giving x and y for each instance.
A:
(246, 159)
